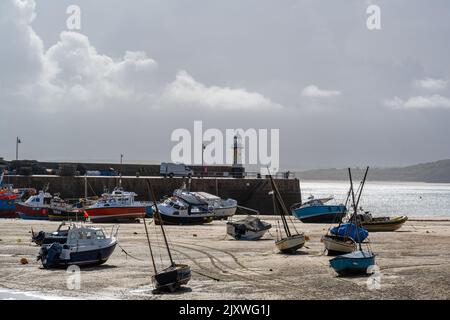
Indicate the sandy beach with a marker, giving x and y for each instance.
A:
(414, 263)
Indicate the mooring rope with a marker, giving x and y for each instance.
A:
(205, 275)
(129, 255)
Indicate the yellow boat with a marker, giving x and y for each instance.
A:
(379, 224)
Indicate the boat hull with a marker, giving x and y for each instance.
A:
(385, 226)
(355, 263)
(172, 278)
(31, 213)
(181, 220)
(291, 244)
(83, 258)
(65, 215)
(320, 214)
(8, 208)
(247, 235)
(224, 213)
(338, 245)
(115, 214)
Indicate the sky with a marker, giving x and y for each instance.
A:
(339, 93)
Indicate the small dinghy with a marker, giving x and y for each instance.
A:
(79, 245)
(250, 228)
(337, 245)
(289, 242)
(381, 224)
(356, 262)
(173, 277)
(353, 263)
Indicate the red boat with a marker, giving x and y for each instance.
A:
(7, 204)
(118, 206)
(35, 208)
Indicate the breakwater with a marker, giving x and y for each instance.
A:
(251, 193)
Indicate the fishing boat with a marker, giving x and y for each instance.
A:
(381, 224)
(249, 228)
(7, 204)
(358, 261)
(184, 209)
(9, 196)
(35, 207)
(174, 276)
(79, 244)
(117, 206)
(288, 242)
(318, 211)
(222, 208)
(60, 210)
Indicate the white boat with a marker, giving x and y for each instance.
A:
(249, 228)
(290, 244)
(222, 208)
(183, 209)
(79, 244)
(336, 245)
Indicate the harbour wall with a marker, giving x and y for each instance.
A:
(249, 192)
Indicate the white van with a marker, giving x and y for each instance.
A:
(175, 169)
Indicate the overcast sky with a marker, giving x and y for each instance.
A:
(339, 93)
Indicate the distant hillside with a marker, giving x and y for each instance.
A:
(438, 171)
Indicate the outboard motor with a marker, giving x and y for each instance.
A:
(38, 238)
(50, 256)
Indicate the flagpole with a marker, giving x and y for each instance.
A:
(17, 148)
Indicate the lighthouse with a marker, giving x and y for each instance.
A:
(237, 169)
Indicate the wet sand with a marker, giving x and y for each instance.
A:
(414, 263)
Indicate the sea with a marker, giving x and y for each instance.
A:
(414, 199)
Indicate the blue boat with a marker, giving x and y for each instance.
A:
(7, 200)
(359, 234)
(9, 196)
(317, 211)
(353, 263)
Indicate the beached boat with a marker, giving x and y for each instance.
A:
(336, 245)
(176, 275)
(354, 263)
(358, 261)
(60, 210)
(381, 224)
(288, 242)
(117, 206)
(318, 211)
(9, 196)
(249, 228)
(7, 204)
(35, 207)
(184, 209)
(83, 245)
(222, 208)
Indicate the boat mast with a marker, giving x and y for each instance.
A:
(150, 246)
(283, 211)
(160, 223)
(354, 208)
(362, 186)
